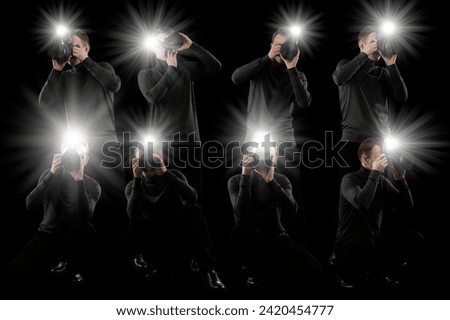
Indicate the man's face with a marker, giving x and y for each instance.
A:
(279, 40)
(374, 153)
(76, 42)
(371, 43)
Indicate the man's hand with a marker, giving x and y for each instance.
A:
(274, 51)
(389, 60)
(270, 173)
(187, 42)
(369, 48)
(291, 63)
(159, 171)
(380, 163)
(171, 58)
(137, 172)
(56, 163)
(58, 66)
(247, 164)
(78, 175)
(80, 53)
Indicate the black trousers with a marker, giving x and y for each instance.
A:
(172, 239)
(188, 160)
(110, 215)
(358, 254)
(277, 258)
(74, 244)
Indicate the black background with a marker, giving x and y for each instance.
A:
(236, 32)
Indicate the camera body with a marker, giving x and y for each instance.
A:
(289, 49)
(61, 49)
(387, 46)
(148, 165)
(71, 160)
(173, 41)
(399, 162)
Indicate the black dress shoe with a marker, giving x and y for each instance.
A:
(345, 284)
(348, 285)
(251, 282)
(78, 279)
(61, 267)
(139, 263)
(211, 281)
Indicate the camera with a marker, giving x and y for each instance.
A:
(387, 46)
(399, 162)
(289, 49)
(149, 165)
(71, 160)
(61, 49)
(173, 41)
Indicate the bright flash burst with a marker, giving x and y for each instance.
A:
(133, 40)
(56, 21)
(303, 24)
(399, 19)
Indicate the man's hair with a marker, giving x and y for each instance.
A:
(364, 33)
(82, 35)
(366, 147)
(283, 32)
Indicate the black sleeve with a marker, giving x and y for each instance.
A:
(205, 63)
(154, 89)
(133, 193)
(177, 179)
(249, 71)
(239, 191)
(36, 197)
(89, 193)
(400, 195)
(396, 85)
(283, 193)
(346, 69)
(104, 73)
(300, 87)
(361, 199)
(51, 91)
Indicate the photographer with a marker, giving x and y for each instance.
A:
(167, 225)
(168, 87)
(68, 197)
(85, 94)
(367, 92)
(260, 197)
(277, 93)
(367, 200)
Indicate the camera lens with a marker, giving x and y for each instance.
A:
(61, 49)
(289, 50)
(173, 41)
(386, 46)
(71, 160)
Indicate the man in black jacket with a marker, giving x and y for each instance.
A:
(367, 93)
(366, 201)
(260, 197)
(168, 87)
(166, 223)
(85, 94)
(69, 197)
(277, 92)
